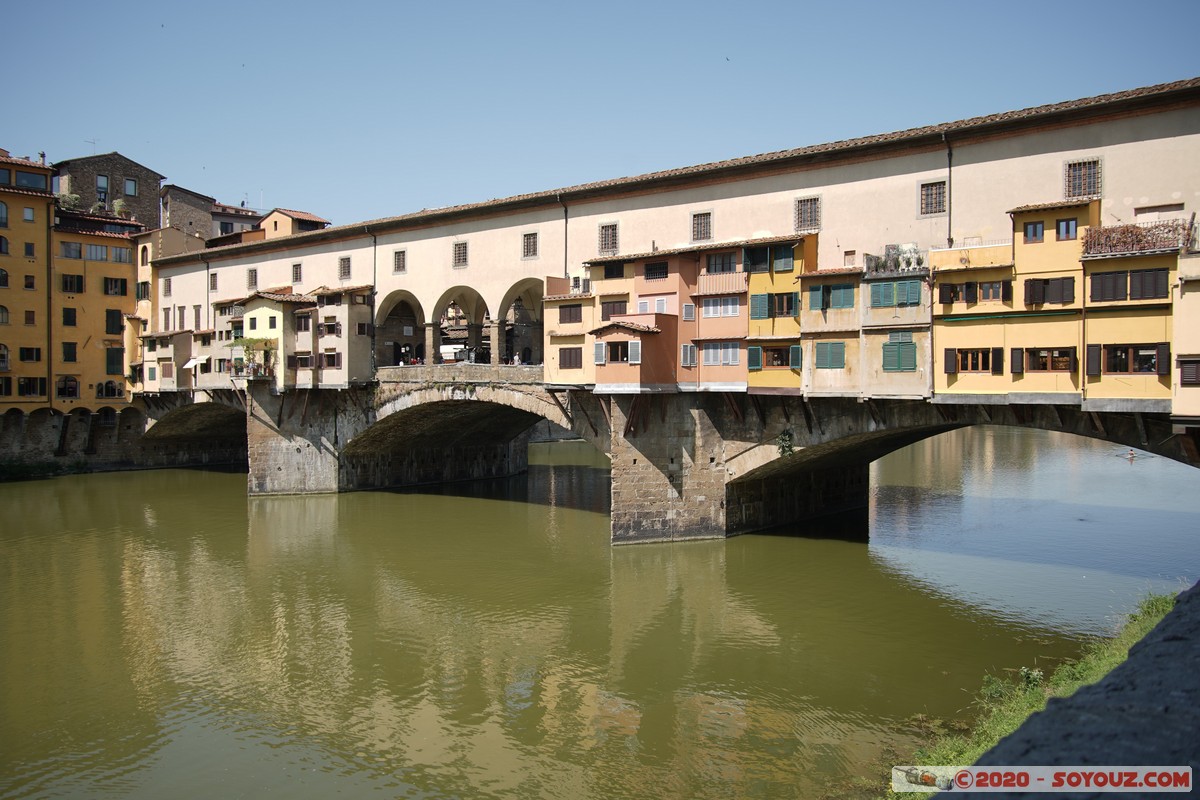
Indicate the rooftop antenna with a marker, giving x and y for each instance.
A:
(92, 142)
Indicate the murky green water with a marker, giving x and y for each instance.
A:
(164, 636)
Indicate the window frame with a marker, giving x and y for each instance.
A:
(806, 214)
(1075, 184)
(528, 251)
(460, 256)
(608, 237)
(702, 226)
(1033, 231)
(932, 198)
(1071, 226)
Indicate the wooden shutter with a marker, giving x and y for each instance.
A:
(754, 357)
(1054, 290)
(891, 356)
(1164, 358)
(1094, 355)
(1018, 361)
(971, 290)
(796, 304)
(816, 298)
(913, 290)
(600, 352)
(1135, 284)
(796, 356)
(635, 352)
(1189, 373)
(1068, 290)
(908, 356)
(759, 306)
(1160, 283)
(1006, 291)
(1074, 360)
(945, 293)
(837, 355)
(997, 360)
(950, 362)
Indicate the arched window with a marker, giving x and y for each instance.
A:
(145, 256)
(66, 386)
(3, 215)
(3, 275)
(4, 250)
(3, 315)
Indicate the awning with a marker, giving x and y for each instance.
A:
(192, 362)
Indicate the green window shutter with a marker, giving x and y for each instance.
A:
(822, 355)
(759, 306)
(796, 356)
(754, 357)
(913, 292)
(796, 304)
(816, 298)
(842, 296)
(891, 356)
(838, 356)
(782, 259)
(908, 357)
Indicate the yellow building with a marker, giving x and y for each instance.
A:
(774, 353)
(26, 213)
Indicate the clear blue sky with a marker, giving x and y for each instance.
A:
(356, 110)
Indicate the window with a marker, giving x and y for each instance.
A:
(5, 386)
(719, 307)
(660, 305)
(28, 214)
(66, 386)
(69, 317)
(460, 255)
(3, 279)
(30, 250)
(933, 198)
(720, 354)
(656, 271)
(252, 279)
(702, 226)
(1066, 229)
(1109, 286)
(643, 306)
(31, 387)
(72, 284)
(3, 215)
(720, 262)
(70, 250)
(886, 294)
(991, 291)
(571, 313)
(166, 287)
(1082, 178)
(30, 353)
(1034, 232)
(151, 373)
(4, 315)
(253, 323)
(756, 259)
(212, 284)
(612, 271)
(782, 258)
(30, 282)
(1189, 372)
(1148, 284)
(1037, 359)
(131, 187)
(97, 252)
(69, 351)
(166, 319)
(776, 357)
(143, 290)
(1152, 359)
(3, 246)
(31, 180)
(689, 312)
(570, 358)
(196, 318)
(30, 318)
(399, 262)
(611, 307)
(608, 238)
(900, 352)
(168, 369)
(1049, 290)
(113, 321)
(3, 357)
(344, 267)
(831, 296)
(618, 352)
(101, 188)
(808, 214)
(983, 359)
(297, 273)
(779, 304)
(122, 255)
(529, 245)
(687, 355)
(116, 287)
(303, 323)
(830, 355)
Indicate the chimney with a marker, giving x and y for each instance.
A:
(42, 155)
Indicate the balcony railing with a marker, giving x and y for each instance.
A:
(1138, 237)
(898, 262)
(722, 283)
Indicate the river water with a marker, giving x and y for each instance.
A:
(163, 635)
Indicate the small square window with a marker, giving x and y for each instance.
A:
(529, 245)
(1034, 232)
(460, 255)
(30, 251)
(848, 258)
(130, 187)
(30, 282)
(612, 271)
(1082, 178)
(702, 227)
(1066, 229)
(30, 318)
(28, 215)
(69, 317)
(808, 214)
(933, 198)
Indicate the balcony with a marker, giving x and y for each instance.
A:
(973, 254)
(897, 260)
(1139, 238)
(722, 283)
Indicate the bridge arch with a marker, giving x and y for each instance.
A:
(209, 421)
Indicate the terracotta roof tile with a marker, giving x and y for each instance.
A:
(630, 326)
(696, 248)
(584, 296)
(303, 215)
(23, 162)
(23, 190)
(1051, 205)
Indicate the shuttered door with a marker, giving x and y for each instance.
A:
(950, 362)
(1094, 355)
(1018, 361)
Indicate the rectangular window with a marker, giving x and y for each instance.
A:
(1038, 359)
(303, 323)
(608, 238)
(570, 358)
(610, 308)
(362, 328)
(617, 352)
(933, 198)
(102, 187)
(114, 360)
(31, 387)
(130, 187)
(30, 318)
(69, 350)
(225, 228)
(689, 312)
(1152, 359)
(885, 294)
(849, 258)
(196, 318)
(612, 271)
(984, 359)
(1049, 290)
(297, 273)
(830, 355)
(991, 291)
(529, 245)
(656, 271)
(399, 262)
(460, 255)
(720, 262)
(719, 307)
(212, 284)
(72, 284)
(900, 352)
(252, 279)
(31, 180)
(70, 250)
(122, 255)
(756, 259)
(28, 216)
(69, 317)
(643, 306)
(168, 369)
(808, 214)
(1108, 286)
(30, 353)
(571, 313)
(720, 354)
(783, 304)
(166, 319)
(660, 305)
(5, 387)
(116, 287)
(1066, 229)
(1148, 284)
(113, 321)
(30, 282)
(1082, 178)
(782, 258)
(687, 355)
(1034, 232)
(30, 250)
(1189, 372)
(702, 226)
(253, 323)
(841, 295)
(344, 267)
(97, 252)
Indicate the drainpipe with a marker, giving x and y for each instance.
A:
(374, 289)
(208, 323)
(50, 208)
(949, 192)
(558, 197)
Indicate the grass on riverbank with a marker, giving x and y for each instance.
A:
(1005, 704)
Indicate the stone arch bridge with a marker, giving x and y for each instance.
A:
(684, 466)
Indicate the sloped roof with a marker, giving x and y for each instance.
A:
(301, 215)
(1076, 203)
(629, 326)
(58, 164)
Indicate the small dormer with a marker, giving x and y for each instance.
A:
(286, 222)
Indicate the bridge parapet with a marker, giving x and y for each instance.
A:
(461, 373)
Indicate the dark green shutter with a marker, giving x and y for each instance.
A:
(908, 356)
(997, 360)
(782, 258)
(754, 357)
(1164, 358)
(946, 293)
(1006, 291)
(796, 356)
(816, 298)
(950, 362)
(913, 290)
(891, 356)
(759, 306)
(971, 290)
